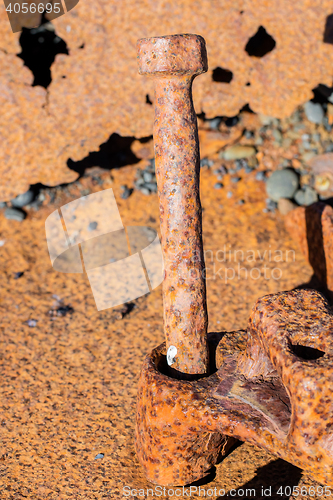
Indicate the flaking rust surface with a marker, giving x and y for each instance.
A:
(102, 92)
(69, 384)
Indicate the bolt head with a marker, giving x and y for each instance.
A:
(172, 55)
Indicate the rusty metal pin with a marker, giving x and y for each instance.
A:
(175, 61)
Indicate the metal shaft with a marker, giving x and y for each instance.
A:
(177, 163)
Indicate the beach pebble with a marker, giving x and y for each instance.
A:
(23, 199)
(282, 184)
(152, 186)
(214, 123)
(271, 205)
(306, 196)
(126, 193)
(260, 176)
(285, 206)
(277, 136)
(148, 176)
(206, 163)
(249, 134)
(306, 157)
(314, 112)
(14, 214)
(92, 226)
(322, 182)
(221, 170)
(240, 164)
(32, 323)
(237, 152)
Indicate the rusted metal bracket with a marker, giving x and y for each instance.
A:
(270, 385)
(276, 393)
(312, 228)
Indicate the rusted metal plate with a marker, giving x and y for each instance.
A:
(95, 90)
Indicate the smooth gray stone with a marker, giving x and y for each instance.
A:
(14, 214)
(282, 184)
(314, 112)
(306, 196)
(23, 199)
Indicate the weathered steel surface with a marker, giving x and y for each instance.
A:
(101, 94)
(277, 394)
(174, 61)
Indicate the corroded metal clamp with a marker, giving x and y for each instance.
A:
(270, 385)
